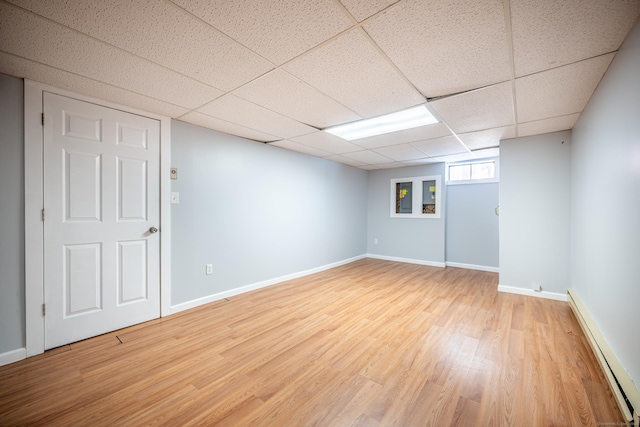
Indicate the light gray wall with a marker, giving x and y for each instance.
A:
(12, 323)
(410, 238)
(606, 205)
(535, 194)
(472, 235)
(257, 212)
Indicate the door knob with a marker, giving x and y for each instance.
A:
(153, 230)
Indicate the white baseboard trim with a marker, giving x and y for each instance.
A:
(253, 286)
(13, 356)
(407, 260)
(532, 293)
(473, 267)
(617, 376)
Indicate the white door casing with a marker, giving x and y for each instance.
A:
(101, 198)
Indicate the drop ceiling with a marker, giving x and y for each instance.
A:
(279, 71)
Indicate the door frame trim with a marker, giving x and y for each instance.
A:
(34, 203)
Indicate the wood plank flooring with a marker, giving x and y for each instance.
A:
(371, 343)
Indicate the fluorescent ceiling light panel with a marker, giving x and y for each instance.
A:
(406, 119)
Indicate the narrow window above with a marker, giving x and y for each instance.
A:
(473, 172)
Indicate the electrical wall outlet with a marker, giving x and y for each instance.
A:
(209, 269)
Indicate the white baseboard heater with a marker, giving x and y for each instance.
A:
(625, 391)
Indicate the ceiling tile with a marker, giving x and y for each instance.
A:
(553, 124)
(487, 152)
(440, 146)
(362, 9)
(180, 57)
(401, 137)
(457, 157)
(481, 109)
(487, 138)
(26, 35)
(391, 165)
(450, 158)
(126, 24)
(445, 46)
(325, 141)
(368, 157)
(301, 148)
(561, 91)
(244, 113)
(369, 167)
(402, 152)
(16, 66)
(475, 155)
(277, 30)
(350, 70)
(203, 120)
(347, 161)
(279, 91)
(551, 33)
(422, 161)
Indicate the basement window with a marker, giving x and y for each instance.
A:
(473, 172)
(415, 197)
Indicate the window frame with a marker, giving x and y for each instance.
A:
(417, 197)
(496, 176)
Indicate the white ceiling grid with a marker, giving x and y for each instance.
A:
(481, 109)
(402, 152)
(421, 133)
(277, 30)
(326, 141)
(549, 34)
(486, 138)
(237, 110)
(563, 90)
(440, 146)
(552, 124)
(17, 66)
(126, 24)
(445, 47)
(336, 69)
(362, 9)
(279, 71)
(280, 91)
(301, 148)
(200, 119)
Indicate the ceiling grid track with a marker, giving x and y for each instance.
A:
(512, 68)
(282, 72)
(108, 45)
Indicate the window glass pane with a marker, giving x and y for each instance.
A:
(459, 172)
(483, 170)
(404, 197)
(429, 197)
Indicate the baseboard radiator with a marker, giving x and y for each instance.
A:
(626, 393)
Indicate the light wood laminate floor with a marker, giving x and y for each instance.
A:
(371, 343)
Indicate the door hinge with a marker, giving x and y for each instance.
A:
(43, 310)
(43, 214)
(42, 119)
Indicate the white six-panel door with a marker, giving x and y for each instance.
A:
(101, 199)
